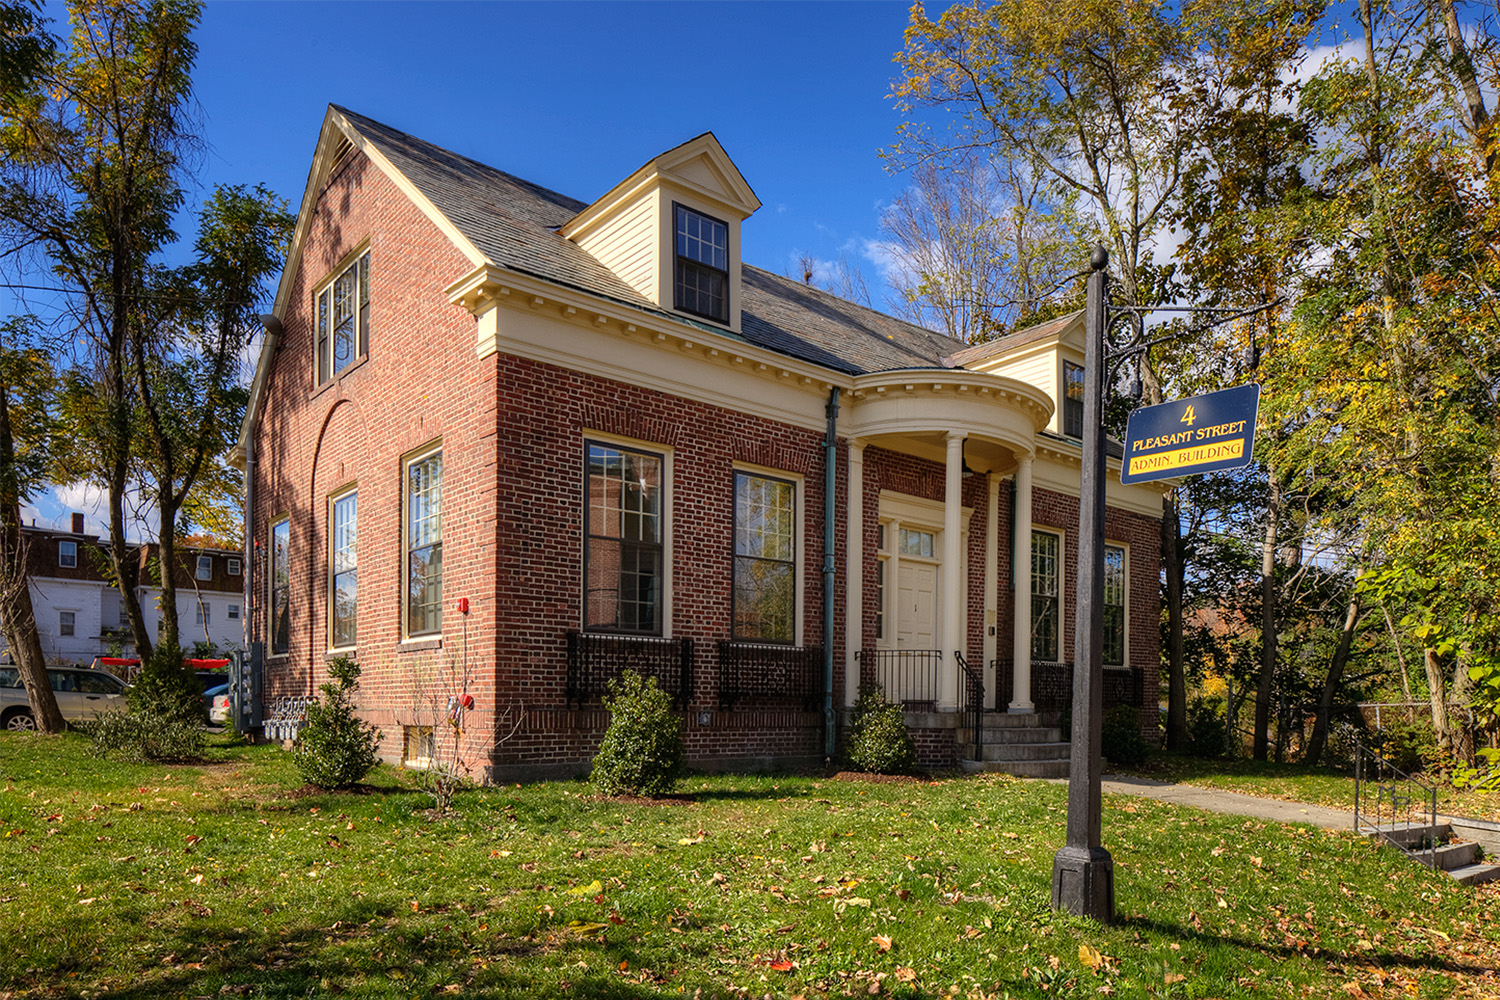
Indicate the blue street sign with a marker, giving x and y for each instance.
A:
(1191, 436)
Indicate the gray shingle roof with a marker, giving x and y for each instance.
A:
(513, 222)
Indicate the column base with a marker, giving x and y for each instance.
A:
(1016, 709)
(1083, 883)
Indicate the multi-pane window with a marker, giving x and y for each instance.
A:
(424, 544)
(1046, 591)
(702, 265)
(343, 316)
(1114, 606)
(234, 612)
(765, 542)
(623, 549)
(66, 622)
(67, 554)
(1072, 399)
(205, 570)
(917, 543)
(343, 588)
(202, 617)
(232, 567)
(281, 587)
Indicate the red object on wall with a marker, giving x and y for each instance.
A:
(463, 605)
(467, 701)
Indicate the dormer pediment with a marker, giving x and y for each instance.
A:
(633, 229)
(1044, 355)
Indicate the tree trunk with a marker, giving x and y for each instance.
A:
(1400, 656)
(1463, 68)
(170, 634)
(1319, 739)
(1171, 544)
(17, 616)
(1437, 692)
(1263, 691)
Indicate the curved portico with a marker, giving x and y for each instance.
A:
(968, 422)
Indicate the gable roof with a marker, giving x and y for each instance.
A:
(1020, 338)
(514, 224)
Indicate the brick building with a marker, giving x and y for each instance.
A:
(621, 447)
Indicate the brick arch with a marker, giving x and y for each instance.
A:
(339, 458)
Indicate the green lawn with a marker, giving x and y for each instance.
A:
(226, 880)
(1321, 786)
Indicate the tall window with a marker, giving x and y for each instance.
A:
(205, 569)
(1046, 589)
(623, 549)
(67, 554)
(1114, 606)
(424, 544)
(1072, 399)
(66, 622)
(702, 265)
(281, 587)
(344, 571)
(343, 311)
(202, 617)
(765, 544)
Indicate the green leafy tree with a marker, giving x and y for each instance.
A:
(335, 748)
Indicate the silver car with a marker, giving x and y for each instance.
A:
(81, 693)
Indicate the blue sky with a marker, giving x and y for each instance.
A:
(573, 96)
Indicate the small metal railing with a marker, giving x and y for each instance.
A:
(770, 670)
(973, 701)
(1399, 798)
(908, 677)
(596, 658)
(1052, 686)
(286, 717)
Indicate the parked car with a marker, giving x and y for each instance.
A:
(216, 700)
(81, 694)
(210, 678)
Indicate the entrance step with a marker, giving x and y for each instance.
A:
(1019, 768)
(1431, 845)
(1476, 874)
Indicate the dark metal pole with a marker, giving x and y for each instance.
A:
(1083, 873)
(830, 483)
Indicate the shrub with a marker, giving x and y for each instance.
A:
(878, 740)
(641, 753)
(143, 736)
(1407, 745)
(166, 688)
(335, 749)
(1121, 738)
(1206, 728)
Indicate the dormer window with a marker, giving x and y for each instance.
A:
(1072, 399)
(702, 275)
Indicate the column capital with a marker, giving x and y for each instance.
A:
(855, 443)
(959, 436)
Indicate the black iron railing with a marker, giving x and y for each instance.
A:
(1052, 686)
(973, 701)
(596, 658)
(768, 670)
(908, 676)
(1395, 806)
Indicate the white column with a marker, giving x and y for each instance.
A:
(1021, 554)
(991, 601)
(855, 559)
(950, 636)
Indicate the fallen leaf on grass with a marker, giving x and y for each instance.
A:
(1090, 956)
(690, 840)
(581, 927)
(781, 965)
(592, 889)
(906, 975)
(882, 942)
(1174, 977)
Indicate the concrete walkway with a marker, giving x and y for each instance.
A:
(1235, 803)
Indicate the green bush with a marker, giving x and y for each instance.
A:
(1121, 737)
(166, 688)
(142, 736)
(1206, 729)
(335, 749)
(878, 740)
(641, 753)
(1406, 745)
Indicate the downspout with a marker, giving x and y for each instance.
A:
(273, 333)
(830, 479)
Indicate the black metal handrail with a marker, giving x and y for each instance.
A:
(974, 701)
(770, 670)
(596, 658)
(1397, 797)
(907, 676)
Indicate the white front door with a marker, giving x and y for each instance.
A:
(916, 629)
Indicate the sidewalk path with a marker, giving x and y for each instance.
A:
(1230, 802)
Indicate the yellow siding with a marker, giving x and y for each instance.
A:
(626, 244)
(1039, 370)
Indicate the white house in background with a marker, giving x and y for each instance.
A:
(80, 615)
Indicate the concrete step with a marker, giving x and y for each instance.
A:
(1450, 856)
(1025, 751)
(1011, 720)
(1410, 835)
(1014, 734)
(1019, 768)
(1477, 874)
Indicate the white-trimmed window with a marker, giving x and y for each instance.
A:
(1046, 596)
(67, 622)
(424, 544)
(67, 556)
(1115, 588)
(281, 587)
(702, 273)
(234, 613)
(623, 546)
(232, 567)
(343, 570)
(203, 616)
(342, 308)
(1072, 399)
(205, 570)
(765, 552)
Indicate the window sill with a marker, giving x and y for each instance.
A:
(334, 654)
(351, 367)
(417, 645)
